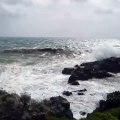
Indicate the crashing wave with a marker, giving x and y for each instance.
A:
(38, 50)
(106, 51)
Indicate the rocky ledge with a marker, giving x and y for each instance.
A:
(98, 69)
(15, 107)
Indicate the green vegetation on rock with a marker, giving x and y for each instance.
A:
(113, 114)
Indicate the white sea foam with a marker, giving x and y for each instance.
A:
(105, 51)
(46, 81)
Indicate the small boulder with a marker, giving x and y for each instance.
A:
(83, 90)
(81, 93)
(60, 107)
(67, 93)
(83, 113)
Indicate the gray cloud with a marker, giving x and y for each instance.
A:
(11, 2)
(104, 11)
(79, 1)
(106, 7)
(16, 2)
(13, 8)
(78, 18)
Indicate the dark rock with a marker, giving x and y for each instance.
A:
(77, 66)
(102, 74)
(80, 93)
(25, 99)
(14, 107)
(40, 116)
(60, 107)
(67, 93)
(2, 92)
(83, 113)
(83, 90)
(73, 78)
(78, 76)
(75, 83)
(68, 71)
(98, 69)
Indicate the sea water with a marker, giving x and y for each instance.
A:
(34, 66)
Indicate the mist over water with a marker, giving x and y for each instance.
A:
(34, 65)
(106, 51)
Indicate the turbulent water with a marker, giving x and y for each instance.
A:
(34, 65)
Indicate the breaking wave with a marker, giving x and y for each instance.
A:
(106, 51)
(38, 50)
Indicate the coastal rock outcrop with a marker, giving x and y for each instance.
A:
(97, 69)
(15, 107)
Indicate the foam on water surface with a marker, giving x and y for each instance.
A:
(44, 82)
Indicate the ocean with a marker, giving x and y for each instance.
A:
(34, 66)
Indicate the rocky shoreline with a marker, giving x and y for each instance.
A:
(98, 69)
(15, 107)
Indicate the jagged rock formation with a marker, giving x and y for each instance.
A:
(14, 107)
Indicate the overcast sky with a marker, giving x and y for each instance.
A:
(60, 18)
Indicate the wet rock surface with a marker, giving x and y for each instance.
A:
(83, 113)
(68, 71)
(75, 83)
(67, 93)
(81, 93)
(82, 90)
(98, 69)
(14, 107)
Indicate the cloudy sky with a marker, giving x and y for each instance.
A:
(60, 18)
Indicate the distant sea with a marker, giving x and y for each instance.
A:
(34, 66)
